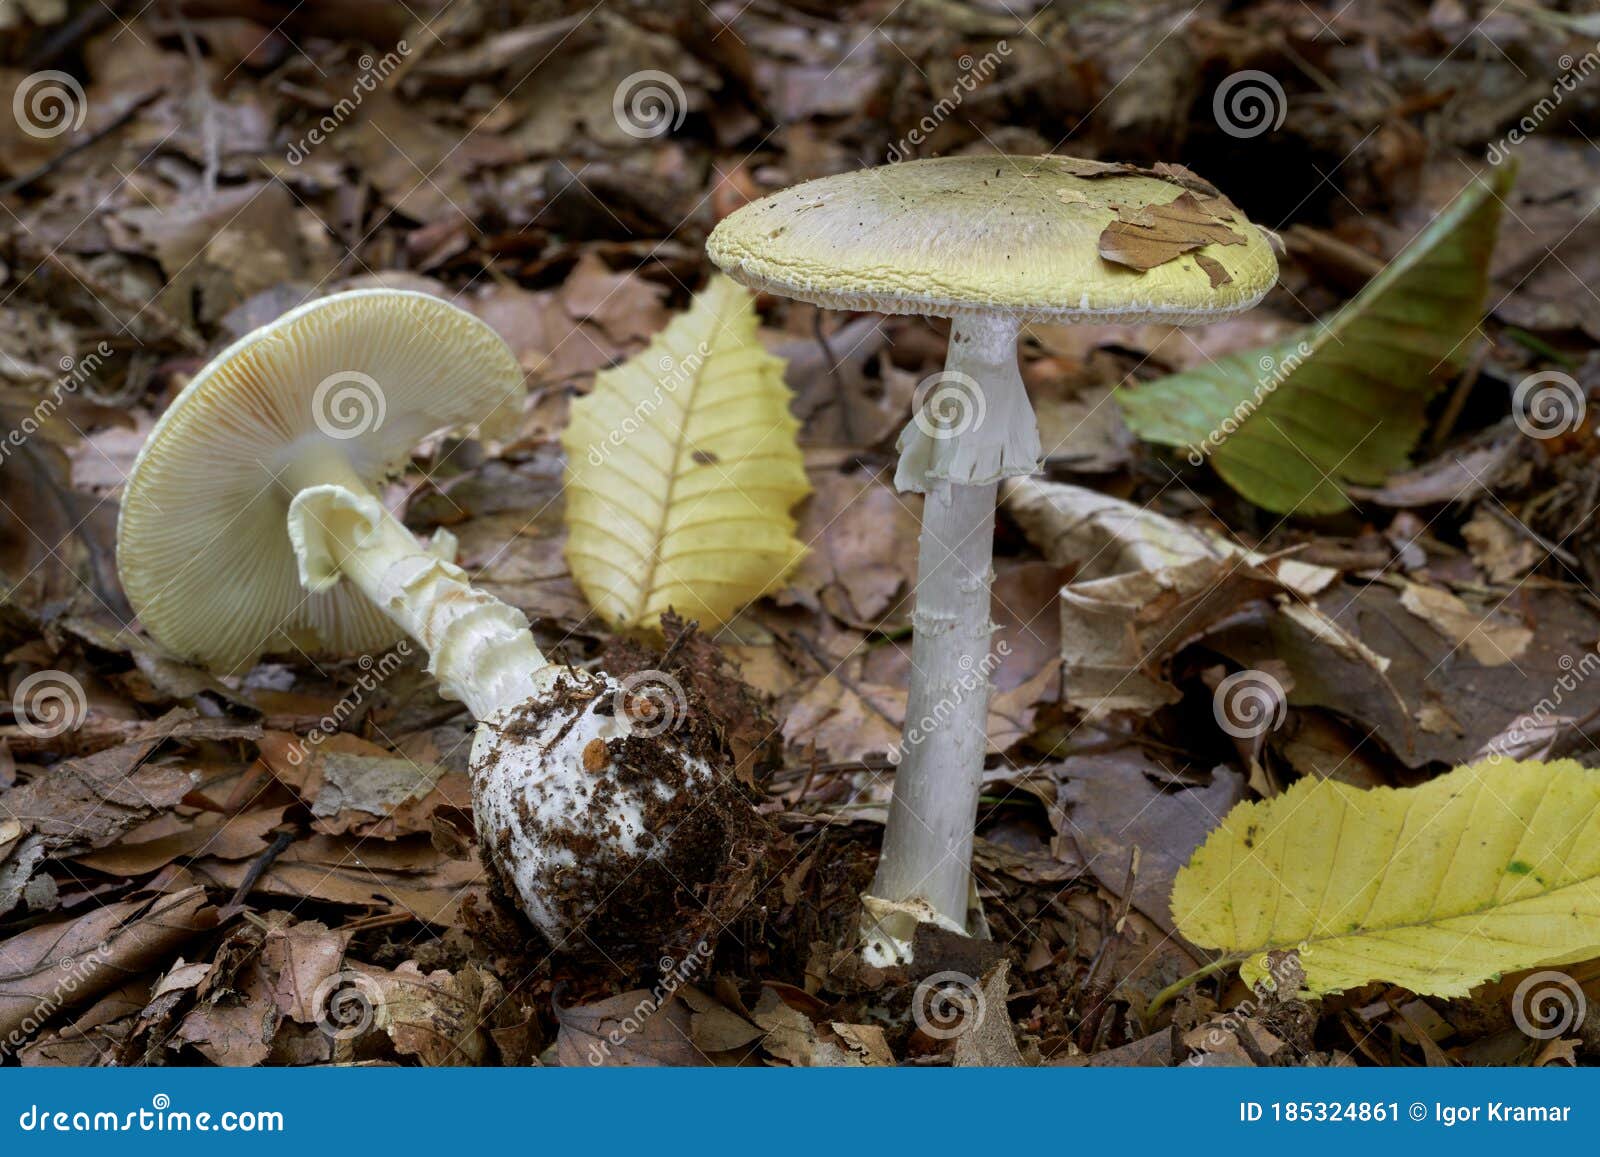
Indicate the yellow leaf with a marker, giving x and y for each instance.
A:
(1489, 869)
(682, 466)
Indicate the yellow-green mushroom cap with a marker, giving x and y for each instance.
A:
(1018, 235)
(340, 389)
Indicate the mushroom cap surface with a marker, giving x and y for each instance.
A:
(1004, 234)
(346, 386)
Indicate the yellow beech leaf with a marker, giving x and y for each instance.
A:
(1489, 869)
(682, 466)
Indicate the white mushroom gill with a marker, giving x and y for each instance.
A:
(250, 524)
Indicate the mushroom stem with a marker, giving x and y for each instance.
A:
(479, 648)
(924, 873)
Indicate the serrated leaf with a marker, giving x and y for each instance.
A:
(682, 466)
(1289, 426)
(1489, 869)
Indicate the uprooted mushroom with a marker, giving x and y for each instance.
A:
(993, 243)
(250, 525)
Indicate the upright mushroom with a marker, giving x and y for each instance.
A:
(250, 525)
(993, 243)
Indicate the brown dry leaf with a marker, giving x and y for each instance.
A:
(1456, 476)
(406, 875)
(64, 539)
(863, 546)
(1217, 1042)
(633, 1028)
(95, 1037)
(440, 1018)
(1501, 553)
(1028, 622)
(837, 401)
(1494, 704)
(865, 1041)
(1111, 804)
(1146, 237)
(792, 1037)
(235, 1030)
(1489, 637)
(716, 1028)
(88, 803)
(846, 719)
(55, 966)
(1083, 430)
(989, 1040)
(358, 788)
(156, 844)
(300, 958)
(220, 247)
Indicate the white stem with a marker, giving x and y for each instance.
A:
(925, 871)
(479, 648)
(927, 846)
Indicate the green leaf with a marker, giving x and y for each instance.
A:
(1341, 402)
(1492, 868)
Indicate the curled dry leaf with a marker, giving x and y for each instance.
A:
(1150, 586)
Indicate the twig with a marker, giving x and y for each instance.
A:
(17, 184)
(846, 424)
(74, 32)
(1458, 399)
(683, 636)
(103, 291)
(202, 97)
(279, 844)
(1094, 987)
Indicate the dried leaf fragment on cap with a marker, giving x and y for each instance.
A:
(1150, 235)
